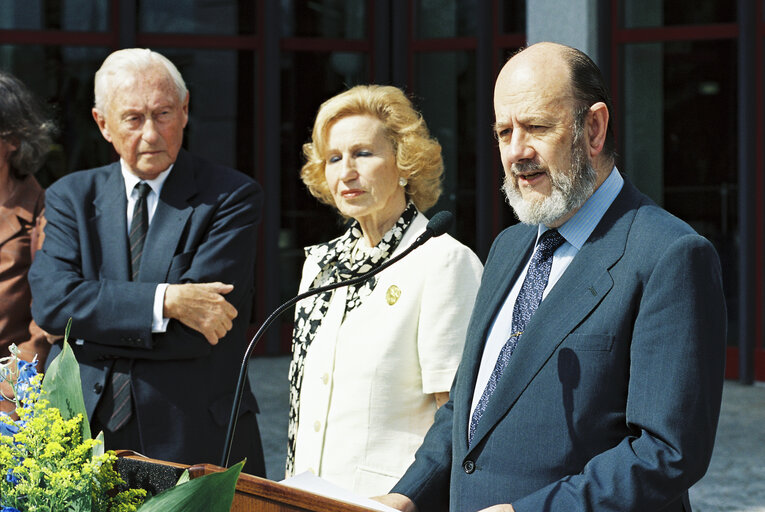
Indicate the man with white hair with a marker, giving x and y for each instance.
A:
(152, 259)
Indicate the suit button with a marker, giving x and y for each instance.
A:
(468, 466)
(98, 387)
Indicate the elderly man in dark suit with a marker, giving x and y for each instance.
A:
(152, 257)
(592, 373)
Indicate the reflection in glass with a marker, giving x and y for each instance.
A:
(512, 16)
(222, 104)
(343, 19)
(445, 18)
(62, 78)
(679, 139)
(445, 93)
(82, 15)
(655, 13)
(308, 79)
(224, 17)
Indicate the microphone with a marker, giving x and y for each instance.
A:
(437, 226)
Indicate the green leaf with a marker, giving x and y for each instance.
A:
(211, 493)
(184, 477)
(98, 449)
(64, 388)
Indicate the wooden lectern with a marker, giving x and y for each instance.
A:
(253, 494)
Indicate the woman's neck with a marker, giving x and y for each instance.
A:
(374, 227)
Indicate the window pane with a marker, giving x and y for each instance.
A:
(82, 15)
(222, 104)
(445, 91)
(62, 78)
(344, 19)
(224, 17)
(656, 13)
(445, 18)
(680, 140)
(512, 16)
(308, 79)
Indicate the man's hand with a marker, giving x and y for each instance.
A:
(499, 508)
(202, 307)
(397, 501)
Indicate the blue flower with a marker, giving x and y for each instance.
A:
(11, 479)
(7, 429)
(23, 385)
(27, 370)
(9, 509)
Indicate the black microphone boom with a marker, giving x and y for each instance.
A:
(437, 226)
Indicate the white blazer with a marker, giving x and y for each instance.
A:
(366, 398)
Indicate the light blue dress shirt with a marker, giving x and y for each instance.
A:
(576, 231)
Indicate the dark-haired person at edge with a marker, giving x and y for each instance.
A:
(152, 257)
(372, 362)
(593, 368)
(24, 143)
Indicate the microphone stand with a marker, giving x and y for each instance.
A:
(424, 237)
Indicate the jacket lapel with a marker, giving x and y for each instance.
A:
(110, 222)
(167, 225)
(509, 258)
(579, 290)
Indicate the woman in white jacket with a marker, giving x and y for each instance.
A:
(372, 363)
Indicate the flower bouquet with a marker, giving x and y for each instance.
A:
(49, 462)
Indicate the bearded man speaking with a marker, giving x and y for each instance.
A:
(593, 366)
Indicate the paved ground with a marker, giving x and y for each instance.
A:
(735, 481)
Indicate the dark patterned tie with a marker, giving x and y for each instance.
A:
(525, 305)
(119, 392)
(139, 225)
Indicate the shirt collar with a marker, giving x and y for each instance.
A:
(131, 180)
(578, 228)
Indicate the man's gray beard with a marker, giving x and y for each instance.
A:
(570, 189)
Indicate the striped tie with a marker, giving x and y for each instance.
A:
(122, 407)
(526, 304)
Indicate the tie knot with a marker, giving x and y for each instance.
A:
(549, 243)
(143, 189)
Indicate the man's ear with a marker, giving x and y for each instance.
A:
(596, 128)
(101, 122)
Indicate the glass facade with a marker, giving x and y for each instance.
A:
(445, 85)
(658, 13)
(337, 19)
(197, 17)
(679, 140)
(62, 76)
(258, 71)
(54, 15)
(439, 19)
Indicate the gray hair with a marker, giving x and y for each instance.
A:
(23, 123)
(129, 60)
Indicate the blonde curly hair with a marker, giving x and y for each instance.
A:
(418, 155)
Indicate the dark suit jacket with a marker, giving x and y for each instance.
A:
(611, 400)
(203, 229)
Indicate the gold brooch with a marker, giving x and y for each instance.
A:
(392, 295)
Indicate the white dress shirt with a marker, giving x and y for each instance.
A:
(159, 322)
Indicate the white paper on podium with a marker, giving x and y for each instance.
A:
(307, 481)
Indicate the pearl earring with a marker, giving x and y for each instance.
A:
(402, 181)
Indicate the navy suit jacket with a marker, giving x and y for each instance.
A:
(611, 400)
(203, 229)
